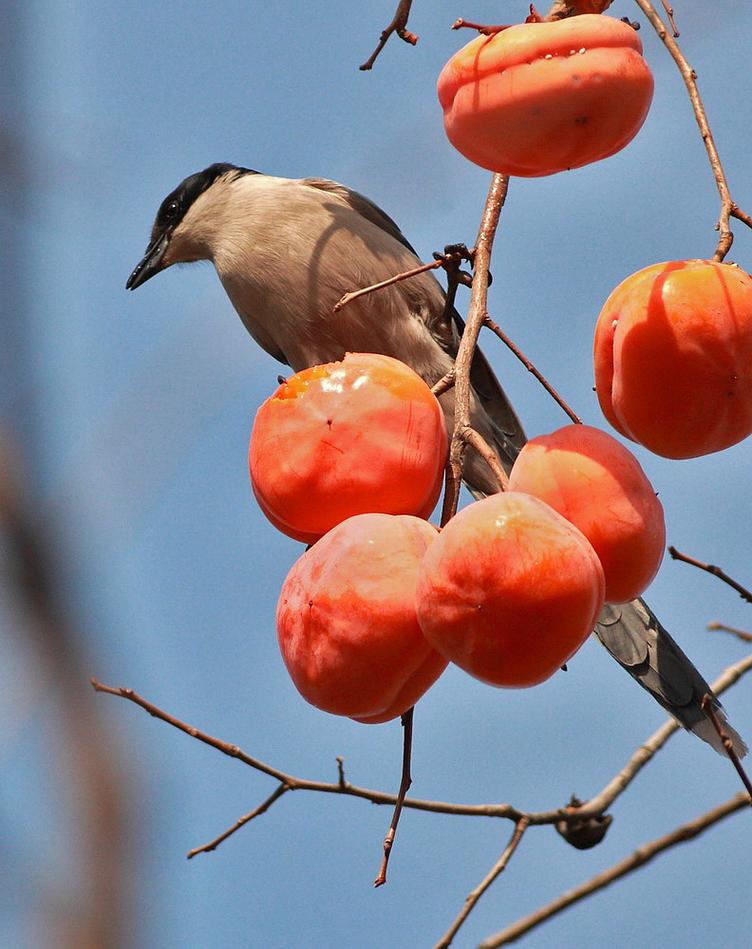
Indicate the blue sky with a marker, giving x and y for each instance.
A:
(135, 410)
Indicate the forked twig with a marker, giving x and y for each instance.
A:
(398, 25)
(397, 278)
(477, 313)
(596, 805)
(241, 821)
(644, 854)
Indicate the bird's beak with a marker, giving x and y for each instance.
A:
(152, 261)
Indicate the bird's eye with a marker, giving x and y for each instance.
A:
(172, 209)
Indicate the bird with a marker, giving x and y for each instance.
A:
(285, 251)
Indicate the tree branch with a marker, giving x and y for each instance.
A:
(498, 331)
(407, 747)
(477, 313)
(743, 592)
(474, 895)
(728, 207)
(707, 706)
(596, 805)
(639, 858)
(398, 25)
(739, 633)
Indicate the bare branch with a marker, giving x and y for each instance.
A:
(398, 25)
(482, 28)
(477, 442)
(498, 331)
(707, 707)
(474, 895)
(601, 802)
(406, 275)
(743, 592)
(728, 208)
(477, 313)
(241, 822)
(407, 746)
(594, 806)
(639, 858)
(444, 384)
(670, 17)
(739, 633)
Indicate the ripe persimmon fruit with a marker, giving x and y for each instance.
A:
(362, 435)
(346, 620)
(673, 357)
(509, 590)
(538, 98)
(599, 486)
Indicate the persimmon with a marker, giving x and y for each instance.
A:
(509, 590)
(362, 435)
(346, 620)
(673, 357)
(599, 486)
(538, 98)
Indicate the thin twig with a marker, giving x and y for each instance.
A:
(406, 275)
(561, 9)
(241, 822)
(444, 384)
(477, 312)
(644, 854)
(618, 784)
(398, 25)
(707, 706)
(477, 442)
(498, 331)
(596, 805)
(728, 208)
(406, 781)
(743, 592)
(670, 17)
(474, 895)
(482, 28)
(739, 633)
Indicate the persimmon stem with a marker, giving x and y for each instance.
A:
(406, 781)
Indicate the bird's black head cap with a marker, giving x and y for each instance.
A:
(172, 211)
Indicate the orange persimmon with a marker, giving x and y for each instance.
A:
(361, 435)
(673, 357)
(509, 590)
(538, 98)
(599, 486)
(346, 621)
